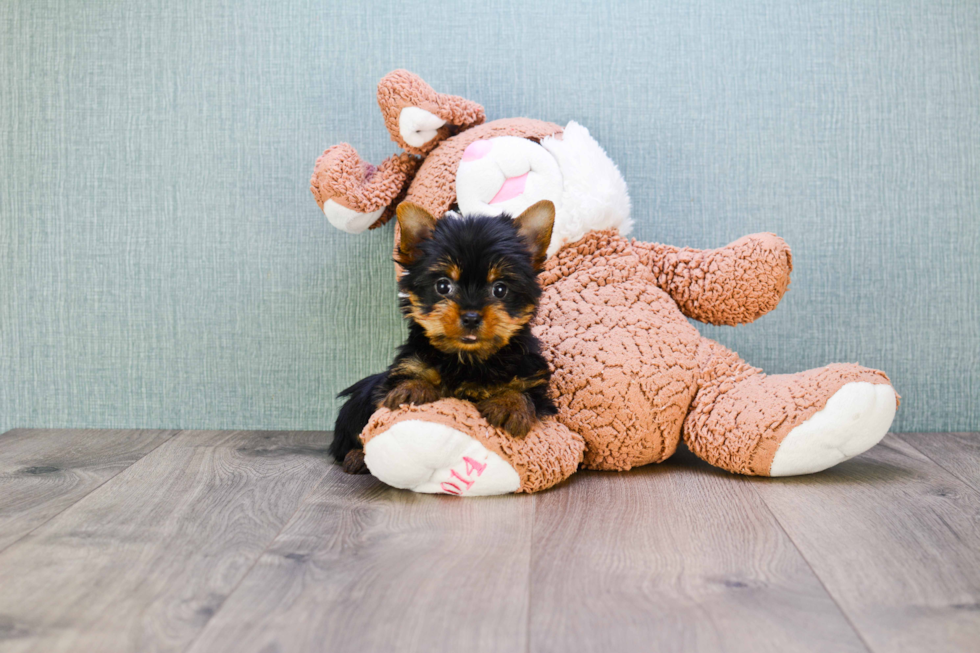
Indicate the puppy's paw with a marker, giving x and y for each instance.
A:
(354, 462)
(510, 411)
(411, 391)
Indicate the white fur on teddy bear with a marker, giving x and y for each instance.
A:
(572, 170)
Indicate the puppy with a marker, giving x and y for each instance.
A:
(469, 290)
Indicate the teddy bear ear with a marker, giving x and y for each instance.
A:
(417, 117)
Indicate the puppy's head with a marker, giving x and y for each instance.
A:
(471, 282)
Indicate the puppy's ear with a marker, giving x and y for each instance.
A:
(534, 226)
(415, 224)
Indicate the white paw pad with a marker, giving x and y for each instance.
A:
(418, 126)
(855, 419)
(436, 459)
(349, 220)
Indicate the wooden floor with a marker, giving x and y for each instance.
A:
(252, 541)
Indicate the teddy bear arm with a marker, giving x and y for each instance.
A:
(734, 284)
(392, 179)
(355, 195)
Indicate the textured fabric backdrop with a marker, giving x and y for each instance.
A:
(162, 263)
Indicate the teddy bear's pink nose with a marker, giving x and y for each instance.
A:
(477, 150)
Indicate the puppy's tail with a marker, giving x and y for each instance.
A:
(354, 415)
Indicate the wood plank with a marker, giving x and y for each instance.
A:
(144, 561)
(44, 471)
(957, 453)
(672, 557)
(363, 567)
(896, 541)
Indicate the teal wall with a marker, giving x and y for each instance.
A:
(162, 263)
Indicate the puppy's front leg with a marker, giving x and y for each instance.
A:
(511, 410)
(411, 391)
(414, 383)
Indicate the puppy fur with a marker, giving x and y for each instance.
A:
(469, 291)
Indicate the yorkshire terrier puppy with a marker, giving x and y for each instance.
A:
(469, 290)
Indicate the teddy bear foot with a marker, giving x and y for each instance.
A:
(447, 447)
(434, 458)
(854, 419)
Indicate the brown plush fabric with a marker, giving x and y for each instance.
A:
(547, 455)
(342, 176)
(631, 374)
(624, 358)
(735, 284)
(400, 88)
(740, 415)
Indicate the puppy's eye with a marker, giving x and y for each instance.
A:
(499, 290)
(444, 286)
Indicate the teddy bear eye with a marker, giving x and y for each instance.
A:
(444, 286)
(499, 290)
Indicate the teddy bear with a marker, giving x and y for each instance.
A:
(631, 376)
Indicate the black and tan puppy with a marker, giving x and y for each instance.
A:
(469, 290)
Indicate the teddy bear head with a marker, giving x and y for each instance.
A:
(454, 161)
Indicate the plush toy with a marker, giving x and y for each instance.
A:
(631, 375)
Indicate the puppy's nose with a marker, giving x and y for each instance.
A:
(470, 319)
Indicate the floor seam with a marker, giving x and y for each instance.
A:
(813, 571)
(939, 464)
(251, 567)
(89, 493)
(530, 560)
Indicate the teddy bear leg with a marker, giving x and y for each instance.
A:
(784, 425)
(446, 447)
